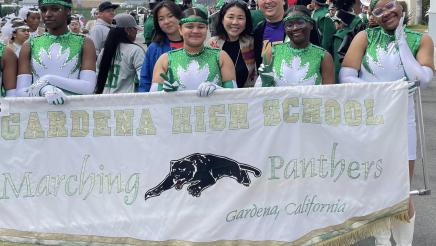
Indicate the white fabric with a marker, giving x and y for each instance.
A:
(23, 82)
(116, 148)
(349, 75)
(206, 89)
(53, 95)
(10, 93)
(413, 69)
(84, 85)
(402, 232)
(154, 86)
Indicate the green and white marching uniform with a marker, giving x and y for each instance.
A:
(125, 70)
(294, 66)
(382, 63)
(190, 70)
(56, 55)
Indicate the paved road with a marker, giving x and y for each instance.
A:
(425, 225)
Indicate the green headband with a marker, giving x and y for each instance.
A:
(192, 19)
(59, 2)
(373, 3)
(298, 17)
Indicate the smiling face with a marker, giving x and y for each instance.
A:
(167, 21)
(388, 14)
(234, 22)
(193, 33)
(298, 29)
(273, 10)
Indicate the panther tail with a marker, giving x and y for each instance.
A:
(255, 171)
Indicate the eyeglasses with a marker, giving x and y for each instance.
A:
(390, 6)
(295, 24)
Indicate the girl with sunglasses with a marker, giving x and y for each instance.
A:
(391, 52)
(194, 67)
(299, 61)
(233, 30)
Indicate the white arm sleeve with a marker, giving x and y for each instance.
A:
(23, 82)
(153, 87)
(413, 69)
(349, 75)
(11, 93)
(85, 84)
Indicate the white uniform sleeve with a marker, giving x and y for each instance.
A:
(349, 75)
(85, 84)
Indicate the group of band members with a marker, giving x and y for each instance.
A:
(273, 45)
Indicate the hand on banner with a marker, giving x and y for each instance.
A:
(170, 84)
(34, 90)
(413, 86)
(53, 95)
(207, 88)
(266, 74)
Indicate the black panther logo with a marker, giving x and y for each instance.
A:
(202, 171)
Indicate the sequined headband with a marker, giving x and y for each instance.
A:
(373, 3)
(59, 2)
(21, 27)
(192, 19)
(298, 17)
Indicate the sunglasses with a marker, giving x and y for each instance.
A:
(390, 6)
(296, 24)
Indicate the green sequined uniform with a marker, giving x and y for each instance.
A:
(192, 69)
(382, 61)
(293, 66)
(56, 55)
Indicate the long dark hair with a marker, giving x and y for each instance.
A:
(220, 31)
(116, 36)
(159, 35)
(314, 34)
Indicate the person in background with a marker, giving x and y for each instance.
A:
(297, 62)
(20, 34)
(332, 10)
(194, 67)
(75, 25)
(325, 24)
(364, 6)
(271, 30)
(98, 34)
(32, 17)
(120, 61)
(391, 52)
(149, 26)
(8, 70)
(57, 61)
(233, 36)
(166, 16)
(90, 23)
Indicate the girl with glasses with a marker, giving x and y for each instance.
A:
(391, 52)
(194, 67)
(297, 62)
(233, 36)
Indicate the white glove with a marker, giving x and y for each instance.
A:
(400, 35)
(34, 90)
(207, 88)
(53, 95)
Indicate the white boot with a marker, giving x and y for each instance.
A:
(403, 232)
(383, 238)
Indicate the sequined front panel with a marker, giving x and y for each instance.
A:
(293, 66)
(382, 61)
(57, 55)
(193, 69)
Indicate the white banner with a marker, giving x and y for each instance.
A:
(269, 165)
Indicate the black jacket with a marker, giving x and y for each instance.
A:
(258, 42)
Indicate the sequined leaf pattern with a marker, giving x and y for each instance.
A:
(295, 73)
(54, 61)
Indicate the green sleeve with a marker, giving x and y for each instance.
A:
(160, 87)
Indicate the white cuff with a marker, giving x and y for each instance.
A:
(85, 84)
(11, 93)
(23, 82)
(349, 75)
